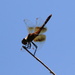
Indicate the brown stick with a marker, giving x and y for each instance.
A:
(39, 61)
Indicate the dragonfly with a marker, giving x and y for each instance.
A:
(35, 33)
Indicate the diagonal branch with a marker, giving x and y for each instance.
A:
(39, 60)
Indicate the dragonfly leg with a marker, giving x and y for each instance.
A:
(35, 47)
(28, 45)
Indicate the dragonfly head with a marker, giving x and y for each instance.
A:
(24, 41)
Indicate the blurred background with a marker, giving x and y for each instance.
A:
(58, 52)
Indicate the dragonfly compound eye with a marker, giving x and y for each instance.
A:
(24, 41)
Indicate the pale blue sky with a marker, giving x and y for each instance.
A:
(58, 52)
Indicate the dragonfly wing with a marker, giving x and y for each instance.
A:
(39, 41)
(40, 38)
(39, 23)
(30, 26)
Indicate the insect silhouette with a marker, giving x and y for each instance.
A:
(35, 34)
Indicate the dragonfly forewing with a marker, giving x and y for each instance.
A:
(30, 26)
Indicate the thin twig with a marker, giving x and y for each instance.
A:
(39, 61)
